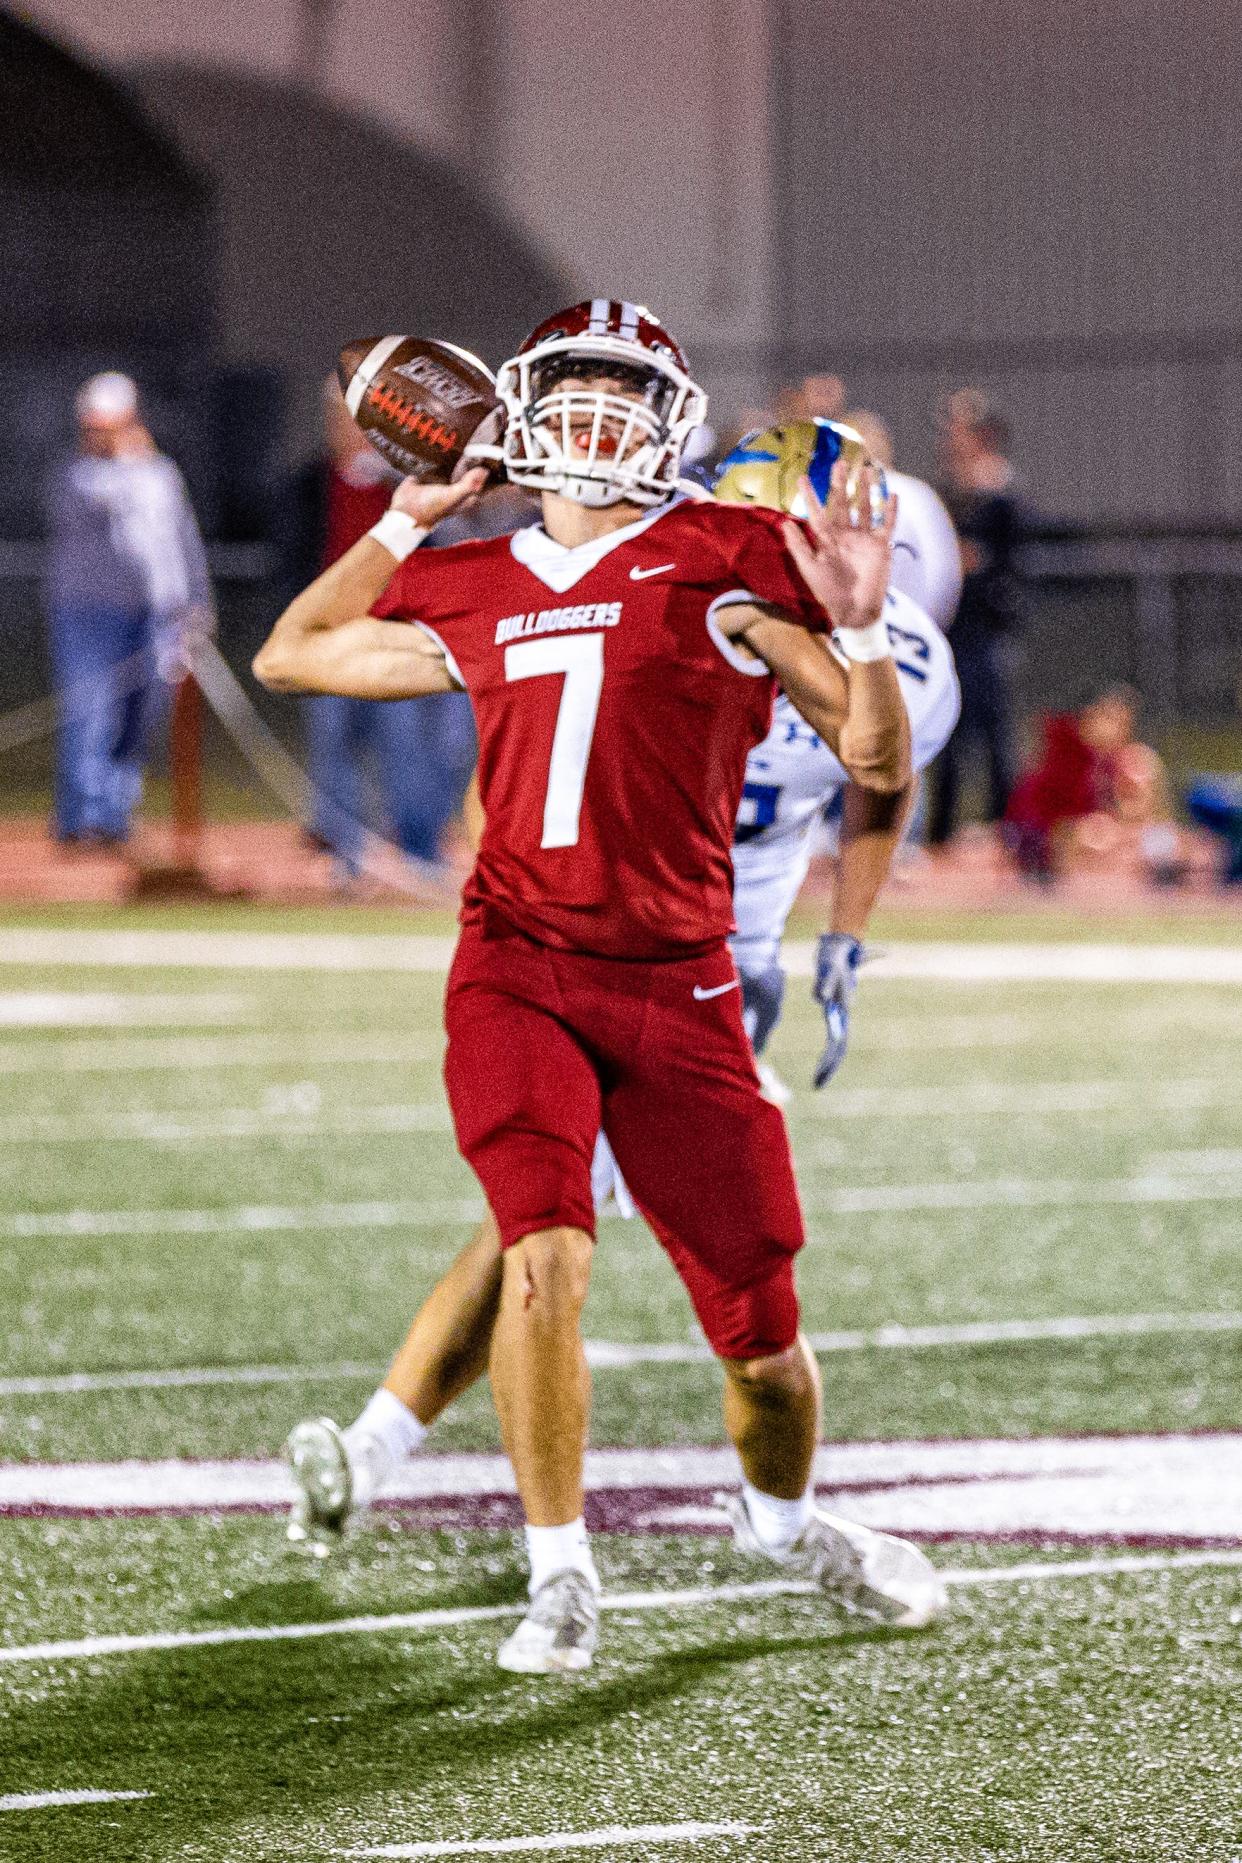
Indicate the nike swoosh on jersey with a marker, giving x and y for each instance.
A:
(640, 575)
(701, 995)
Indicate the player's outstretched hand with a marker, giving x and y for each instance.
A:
(429, 504)
(845, 560)
(837, 957)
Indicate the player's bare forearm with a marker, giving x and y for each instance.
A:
(874, 740)
(813, 680)
(325, 641)
(859, 713)
(871, 828)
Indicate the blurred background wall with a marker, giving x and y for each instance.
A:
(1045, 201)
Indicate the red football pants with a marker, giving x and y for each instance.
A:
(545, 1046)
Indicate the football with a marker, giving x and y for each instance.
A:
(428, 407)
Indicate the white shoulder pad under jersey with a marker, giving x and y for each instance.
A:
(792, 774)
(927, 561)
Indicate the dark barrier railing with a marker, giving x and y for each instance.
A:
(1162, 610)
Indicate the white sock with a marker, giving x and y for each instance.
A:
(386, 1433)
(559, 1549)
(777, 1523)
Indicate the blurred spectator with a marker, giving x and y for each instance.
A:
(927, 560)
(127, 585)
(815, 397)
(1096, 794)
(421, 749)
(1215, 803)
(979, 489)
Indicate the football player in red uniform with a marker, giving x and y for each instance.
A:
(621, 658)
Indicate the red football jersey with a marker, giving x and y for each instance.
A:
(614, 717)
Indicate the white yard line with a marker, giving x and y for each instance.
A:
(183, 1053)
(1194, 1160)
(608, 1355)
(89, 1648)
(881, 1029)
(72, 1383)
(46, 1801)
(1018, 1193)
(246, 1218)
(1001, 1097)
(60, 1009)
(622, 1355)
(209, 1126)
(984, 1099)
(559, 1840)
(363, 952)
(892, 1199)
(922, 1034)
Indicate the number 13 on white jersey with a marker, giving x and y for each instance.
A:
(580, 657)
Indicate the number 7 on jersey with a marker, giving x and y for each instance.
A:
(580, 657)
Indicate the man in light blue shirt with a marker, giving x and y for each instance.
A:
(127, 582)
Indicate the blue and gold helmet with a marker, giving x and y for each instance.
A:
(767, 466)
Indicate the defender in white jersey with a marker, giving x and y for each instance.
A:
(790, 778)
(793, 777)
(927, 557)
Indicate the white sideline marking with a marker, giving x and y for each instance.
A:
(1189, 1487)
(1044, 963)
(47, 1009)
(619, 1355)
(560, 1840)
(177, 1055)
(208, 1126)
(346, 952)
(1033, 1573)
(44, 1801)
(895, 1199)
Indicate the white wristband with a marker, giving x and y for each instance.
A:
(398, 533)
(861, 644)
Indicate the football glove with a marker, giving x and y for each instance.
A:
(837, 957)
(763, 992)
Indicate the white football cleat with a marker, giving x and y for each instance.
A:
(872, 1574)
(317, 1455)
(558, 1633)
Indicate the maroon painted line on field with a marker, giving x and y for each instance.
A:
(623, 1511)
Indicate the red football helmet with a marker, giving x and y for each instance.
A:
(599, 446)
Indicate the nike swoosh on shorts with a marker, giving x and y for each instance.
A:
(701, 995)
(640, 575)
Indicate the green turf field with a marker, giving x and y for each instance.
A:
(251, 1170)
